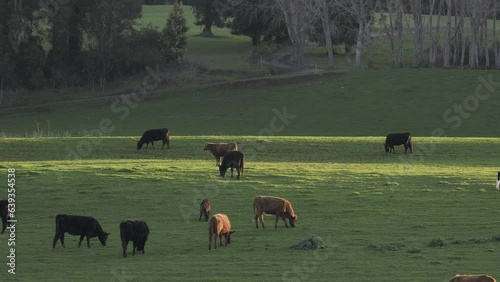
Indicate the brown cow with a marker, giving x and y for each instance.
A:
(273, 205)
(472, 278)
(219, 225)
(220, 149)
(204, 209)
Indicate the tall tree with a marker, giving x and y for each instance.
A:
(418, 32)
(210, 13)
(296, 24)
(447, 39)
(323, 9)
(257, 19)
(173, 38)
(104, 25)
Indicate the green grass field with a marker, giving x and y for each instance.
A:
(315, 140)
(377, 211)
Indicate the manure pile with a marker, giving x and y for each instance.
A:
(312, 242)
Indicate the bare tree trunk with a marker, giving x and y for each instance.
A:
(325, 21)
(495, 43)
(359, 44)
(474, 32)
(399, 23)
(446, 47)
(295, 23)
(462, 33)
(387, 22)
(432, 41)
(416, 7)
(485, 41)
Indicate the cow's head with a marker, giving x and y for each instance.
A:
(228, 236)
(222, 170)
(386, 148)
(103, 237)
(208, 146)
(139, 145)
(292, 220)
(141, 244)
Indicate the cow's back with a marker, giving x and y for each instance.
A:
(134, 229)
(269, 204)
(232, 156)
(472, 278)
(76, 224)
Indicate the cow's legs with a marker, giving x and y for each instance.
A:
(220, 239)
(88, 241)
(81, 239)
(61, 237)
(164, 141)
(238, 171)
(135, 247)
(276, 222)
(124, 247)
(215, 241)
(55, 241)
(217, 161)
(261, 218)
(232, 172)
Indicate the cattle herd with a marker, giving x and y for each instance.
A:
(219, 226)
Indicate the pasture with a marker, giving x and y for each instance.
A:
(385, 217)
(378, 212)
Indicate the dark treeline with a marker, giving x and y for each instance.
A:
(91, 42)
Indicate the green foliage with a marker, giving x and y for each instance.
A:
(173, 40)
(210, 13)
(250, 19)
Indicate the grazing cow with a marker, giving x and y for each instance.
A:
(273, 205)
(472, 278)
(78, 225)
(396, 139)
(4, 214)
(154, 135)
(204, 209)
(233, 159)
(498, 181)
(218, 226)
(134, 230)
(220, 149)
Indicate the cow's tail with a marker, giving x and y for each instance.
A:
(242, 164)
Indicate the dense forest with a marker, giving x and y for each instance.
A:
(61, 43)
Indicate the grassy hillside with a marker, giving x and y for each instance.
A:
(315, 140)
(378, 212)
(359, 103)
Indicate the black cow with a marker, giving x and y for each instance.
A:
(497, 185)
(4, 214)
(233, 159)
(78, 225)
(396, 139)
(134, 230)
(154, 135)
